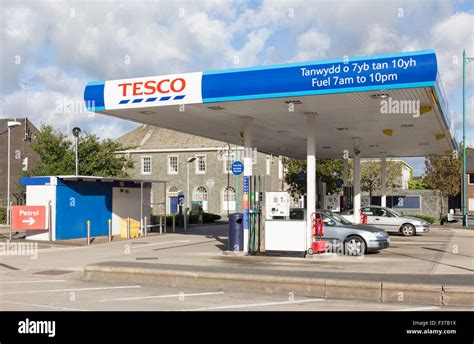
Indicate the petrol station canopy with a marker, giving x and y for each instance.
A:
(395, 104)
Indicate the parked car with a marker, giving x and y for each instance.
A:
(346, 237)
(391, 220)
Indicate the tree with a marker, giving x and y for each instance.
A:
(55, 151)
(327, 170)
(443, 175)
(371, 175)
(417, 184)
(96, 158)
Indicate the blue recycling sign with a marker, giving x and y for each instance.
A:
(237, 168)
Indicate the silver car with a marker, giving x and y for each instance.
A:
(346, 237)
(391, 220)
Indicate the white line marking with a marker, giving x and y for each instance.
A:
(160, 296)
(250, 305)
(71, 289)
(414, 309)
(40, 281)
(105, 245)
(43, 306)
(160, 243)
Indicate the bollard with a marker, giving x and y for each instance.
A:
(185, 221)
(161, 224)
(128, 228)
(174, 223)
(145, 229)
(88, 232)
(110, 229)
(10, 220)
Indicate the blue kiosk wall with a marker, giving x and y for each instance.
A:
(77, 202)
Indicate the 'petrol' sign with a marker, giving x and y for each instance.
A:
(29, 217)
(153, 91)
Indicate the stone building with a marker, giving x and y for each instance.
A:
(470, 180)
(22, 157)
(162, 154)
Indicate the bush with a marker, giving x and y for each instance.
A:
(429, 219)
(3, 214)
(207, 218)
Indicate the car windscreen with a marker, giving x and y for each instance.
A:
(396, 213)
(338, 218)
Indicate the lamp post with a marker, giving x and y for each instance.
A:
(188, 196)
(76, 131)
(10, 124)
(465, 61)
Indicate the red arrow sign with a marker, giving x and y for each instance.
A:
(29, 217)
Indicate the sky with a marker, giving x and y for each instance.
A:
(49, 50)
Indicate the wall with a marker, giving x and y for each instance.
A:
(214, 170)
(42, 195)
(78, 202)
(17, 135)
(430, 202)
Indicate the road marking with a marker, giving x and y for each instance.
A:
(105, 245)
(249, 305)
(72, 289)
(40, 281)
(414, 309)
(161, 243)
(160, 296)
(43, 306)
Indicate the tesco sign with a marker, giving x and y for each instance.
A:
(153, 91)
(150, 87)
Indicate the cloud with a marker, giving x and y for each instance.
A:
(312, 45)
(62, 45)
(449, 37)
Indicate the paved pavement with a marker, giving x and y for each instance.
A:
(440, 256)
(66, 292)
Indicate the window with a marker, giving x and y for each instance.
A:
(229, 194)
(200, 164)
(470, 204)
(173, 189)
(146, 164)
(228, 199)
(470, 178)
(200, 194)
(172, 164)
(229, 159)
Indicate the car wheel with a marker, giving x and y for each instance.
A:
(407, 230)
(354, 246)
(310, 251)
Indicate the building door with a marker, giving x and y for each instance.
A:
(173, 204)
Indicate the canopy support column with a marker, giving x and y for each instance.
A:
(248, 142)
(356, 201)
(310, 175)
(383, 172)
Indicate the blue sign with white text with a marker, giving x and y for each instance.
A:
(343, 75)
(237, 168)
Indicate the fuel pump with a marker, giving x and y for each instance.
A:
(255, 212)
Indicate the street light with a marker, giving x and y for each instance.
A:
(10, 124)
(76, 131)
(188, 162)
(465, 60)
